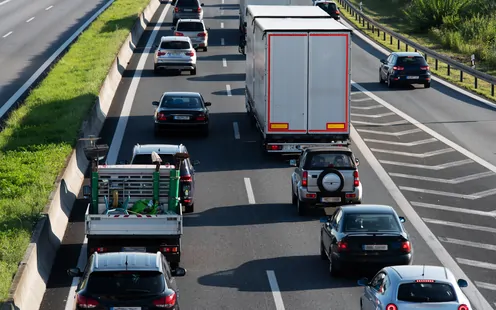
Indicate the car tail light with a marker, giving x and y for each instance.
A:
(98, 250)
(342, 246)
(406, 246)
(190, 53)
(398, 68)
(179, 34)
(202, 34)
(304, 179)
(391, 307)
(424, 68)
(160, 53)
(337, 12)
(176, 10)
(85, 302)
(168, 249)
(274, 147)
(463, 307)
(161, 117)
(201, 117)
(166, 302)
(424, 281)
(198, 10)
(186, 178)
(356, 182)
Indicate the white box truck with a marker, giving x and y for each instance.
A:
(302, 83)
(243, 4)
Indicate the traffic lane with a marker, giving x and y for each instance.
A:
(16, 12)
(457, 117)
(31, 44)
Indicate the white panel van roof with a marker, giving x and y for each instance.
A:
(300, 11)
(301, 24)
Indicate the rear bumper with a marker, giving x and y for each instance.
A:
(403, 79)
(315, 198)
(348, 260)
(181, 126)
(175, 65)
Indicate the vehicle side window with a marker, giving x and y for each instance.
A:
(385, 285)
(377, 281)
(184, 170)
(86, 275)
(337, 218)
(167, 271)
(303, 157)
(388, 60)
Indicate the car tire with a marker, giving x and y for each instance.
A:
(381, 81)
(205, 49)
(323, 255)
(301, 207)
(326, 172)
(189, 209)
(427, 85)
(193, 72)
(174, 22)
(334, 269)
(390, 83)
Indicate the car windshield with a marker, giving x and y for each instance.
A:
(181, 102)
(175, 45)
(187, 3)
(146, 159)
(190, 26)
(329, 7)
(320, 161)
(411, 61)
(426, 292)
(112, 283)
(370, 223)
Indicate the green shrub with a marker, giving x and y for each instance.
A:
(423, 15)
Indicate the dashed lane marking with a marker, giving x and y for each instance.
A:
(276, 292)
(361, 99)
(473, 196)
(402, 122)
(436, 167)
(368, 108)
(460, 225)
(487, 286)
(7, 34)
(48, 8)
(228, 90)
(472, 244)
(249, 191)
(451, 209)
(224, 62)
(446, 181)
(29, 19)
(373, 115)
(419, 142)
(236, 130)
(416, 155)
(475, 263)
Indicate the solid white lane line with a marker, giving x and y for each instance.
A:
(224, 62)
(236, 131)
(274, 287)
(448, 181)
(478, 245)
(8, 34)
(372, 115)
(461, 225)
(402, 143)
(228, 90)
(451, 209)
(475, 263)
(221, 25)
(402, 122)
(222, 42)
(249, 191)
(4, 2)
(29, 19)
(120, 130)
(487, 286)
(437, 167)
(48, 8)
(476, 298)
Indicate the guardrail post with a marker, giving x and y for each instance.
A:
(373, 29)
(425, 56)
(461, 76)
(399, 44)
(368, 25)
(492, 90)
(390, 39)
(449, 70)
(384, 36)
(363, 22)
(475, 82)
(437, 64)
(406, 47)
(378, 32)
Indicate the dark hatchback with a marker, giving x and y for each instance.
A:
(115, 281)
(371, 236)
(330, 8)
(183, 111)
(405, 68)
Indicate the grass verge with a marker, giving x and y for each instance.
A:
(387, 17)
(40, 135)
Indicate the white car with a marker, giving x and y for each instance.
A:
(194, 29)
(414, 287)
(175, 53)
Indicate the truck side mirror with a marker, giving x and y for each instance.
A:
(155, 103)
(86, 191)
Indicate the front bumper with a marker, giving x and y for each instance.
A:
(318, 199)
(175, 65)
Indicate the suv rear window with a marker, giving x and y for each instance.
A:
(426, 292)
(190, 26)
(175, 45)
(125, 283)
(411, 60)
(187, 3)
(319, 161)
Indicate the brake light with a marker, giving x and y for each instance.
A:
(304, 179)
(391, 307)
(342, 246)
(176, 10)
(424, 281)
(398, 68)
(463, 307)
(186, 178)
(98, 250)
(406, 246)
(161, 117)
(168, 249)
(190, 53)
(337, 12)
(85, 302)
(201, 117)
(198, 10)
(424, 68)
(160, 53)
(356, 182)
(274, 147)
(202, 34)
(166, 302)
(179, 34)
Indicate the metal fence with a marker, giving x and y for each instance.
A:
(410, 46)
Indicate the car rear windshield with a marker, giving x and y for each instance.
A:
(426, 292)
(319, 161)
(114, 283)
(328, 7)
(190, 26)
(175, 45)
(167, 159)
(370, 223)
(178, 102)
(411, 61)
(187, 3)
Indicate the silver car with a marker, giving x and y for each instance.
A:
(194, 29)
(414, 287)
(187, 9)
(175, 53)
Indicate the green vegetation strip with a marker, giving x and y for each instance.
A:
(40, 135)
(391, 14)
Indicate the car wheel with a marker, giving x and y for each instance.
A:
(334, 269)
(427, 85)
(193, 72)
(323, 255)
(381, 81)
(205, 48)
(189, 209)
(301, 207)
(174, 22)
(389, 82)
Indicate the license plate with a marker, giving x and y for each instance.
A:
(182, 118)
(331, 199)
(133, 249)
(412, 77)
(375, 247)
(125, 308)
(188, 10)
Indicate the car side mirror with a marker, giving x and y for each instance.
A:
(74, 272)
(324, 219)
(196, 162)
(173, 28)
(86, 191)
(462, 283)
(363, 282)
(179, 272)
(357, 161)
(207, 104)
(208, 28)
(402, 219)
(155, 103)
(202, 4)
(245, 24)
(383, 61)
(293, 163)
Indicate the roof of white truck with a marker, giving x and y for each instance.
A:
(300, 24)
(298, 11)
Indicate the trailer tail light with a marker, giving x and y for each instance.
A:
(202, 34)
(186, 178)
(391, 307)
(190, 53)
(356, 182)
(304, 179)
(166, 302)
(160, 53)
(274, 147)
(161, 117)
(176, 10)
(98, 250)
(168, 249)
(424, 68)
(463, 307)
(179, 34)
(198, 10)
(398, 68)
(342, 246)
(406, 247)
(337, 12)
(201, 117)
(85, 302)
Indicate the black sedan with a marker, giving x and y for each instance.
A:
(370, 236)
(182, 111)
(405, 68)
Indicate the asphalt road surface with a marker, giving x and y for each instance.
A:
(31, 31)
(244, 244)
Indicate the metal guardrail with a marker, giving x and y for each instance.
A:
(409, 45)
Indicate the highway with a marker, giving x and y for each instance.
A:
(30, 32)
(245, 247)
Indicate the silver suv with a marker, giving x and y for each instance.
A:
(175, 53)
(187, 9)
(325, 176)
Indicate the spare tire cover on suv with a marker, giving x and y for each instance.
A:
(330, 181)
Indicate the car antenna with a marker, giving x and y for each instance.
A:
(423, 270)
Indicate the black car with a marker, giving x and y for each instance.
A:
(405, 68)
(125, 280)
(370, 236)
(182, 111)
(330, 7)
